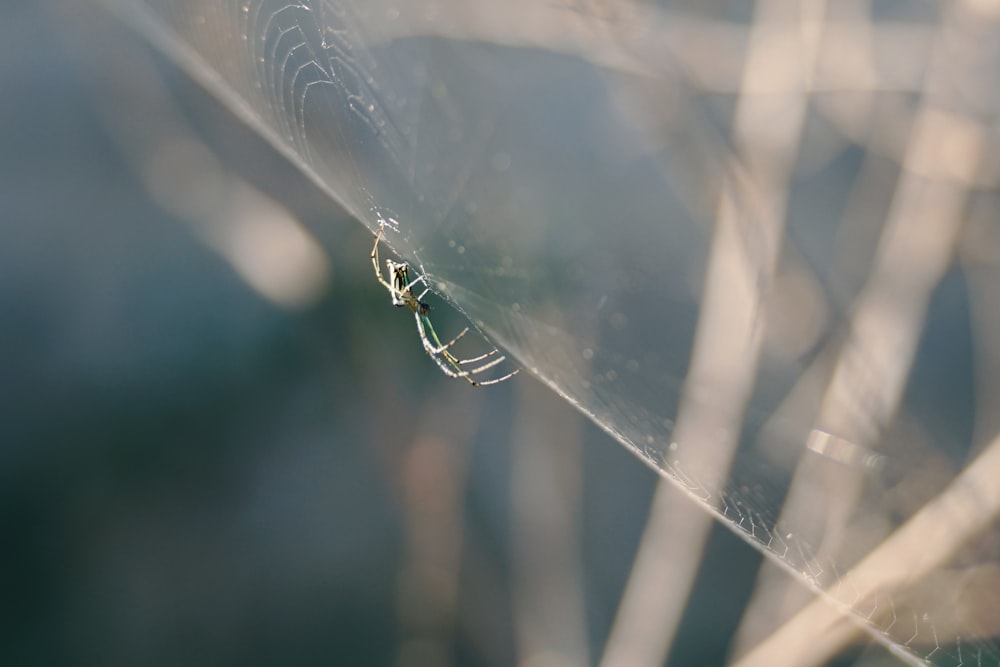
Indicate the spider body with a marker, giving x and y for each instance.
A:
(401, 290)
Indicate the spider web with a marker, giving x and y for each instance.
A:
(563, 175)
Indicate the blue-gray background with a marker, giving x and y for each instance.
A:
(190, 475)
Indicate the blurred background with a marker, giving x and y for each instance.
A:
(220, 444)
(197, 471)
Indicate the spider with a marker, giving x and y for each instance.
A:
(401, 290)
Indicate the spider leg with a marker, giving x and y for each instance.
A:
(453, 340)
(422, 279)
(486, 383)
(446, 362)
(451, 364)
(451, 371)
(475, 371)
(429, 337)
(474, 360)
(418, 280)
(378, 270)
